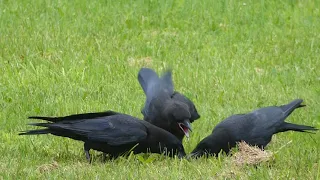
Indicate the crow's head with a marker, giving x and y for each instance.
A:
(178, 116)
(218, 141)
(176, 96)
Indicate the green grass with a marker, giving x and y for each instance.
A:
(64, 57)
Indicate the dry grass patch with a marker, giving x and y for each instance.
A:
(48, 167)
(140, 62)
(250, 155)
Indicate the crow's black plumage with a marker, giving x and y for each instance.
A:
(112, 133)
(255, 128)
(164, 107)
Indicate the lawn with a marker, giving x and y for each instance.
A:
(64, 57)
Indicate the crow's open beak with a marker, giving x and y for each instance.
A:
(185, 126)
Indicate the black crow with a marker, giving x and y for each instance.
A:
(112, 133)
(255, 128)
(164, 107)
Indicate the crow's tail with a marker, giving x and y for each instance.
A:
(35, 132)
(38, 131)
(296, 127)
(76, 116)
(289, 108)
(51, 119)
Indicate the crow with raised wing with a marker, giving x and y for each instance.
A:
(255, 128)
(111, 133)
(164, 107)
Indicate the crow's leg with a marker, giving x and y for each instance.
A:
(104, 157)
(86, 150)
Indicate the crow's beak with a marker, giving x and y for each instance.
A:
(195, 155)
(185, 126)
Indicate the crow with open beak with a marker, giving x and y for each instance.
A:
(164, 107)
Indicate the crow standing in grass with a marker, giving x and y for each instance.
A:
(112, 133)
(164, 107)
(255, 128)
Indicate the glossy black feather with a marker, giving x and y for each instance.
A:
(255, 128)
(112, 133)
(76, 116)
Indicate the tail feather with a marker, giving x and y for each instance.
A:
(296, 127)
(41, 124)
(35, 132)
(75, 116)
(38, 131)
(289, 108)
(51, 119)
